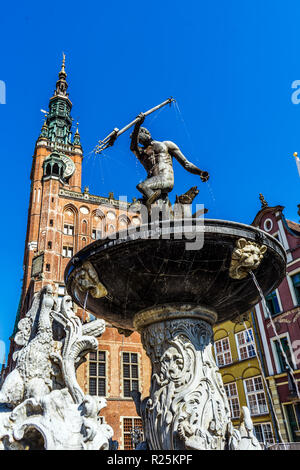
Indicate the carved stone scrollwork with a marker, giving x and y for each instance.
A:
(41, 403)
(246, 257)
(187, 408)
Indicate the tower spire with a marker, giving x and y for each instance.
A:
(61, 84)
(59, 119)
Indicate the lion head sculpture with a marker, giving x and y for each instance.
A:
(246, 257)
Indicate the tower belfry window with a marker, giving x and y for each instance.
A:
(55, 169)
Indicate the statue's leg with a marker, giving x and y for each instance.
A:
(152, 188)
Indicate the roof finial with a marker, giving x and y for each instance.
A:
(62, 73)
(63, 63)
(76, 140)
(263, 201)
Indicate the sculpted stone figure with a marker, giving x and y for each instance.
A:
(41, 403)
(156, 157)
(86, 280)
(246, 257)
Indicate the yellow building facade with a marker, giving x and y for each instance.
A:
(237, 353)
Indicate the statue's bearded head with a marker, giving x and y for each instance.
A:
(144, 137)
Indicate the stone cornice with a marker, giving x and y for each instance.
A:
(91, 199)
(63, 148)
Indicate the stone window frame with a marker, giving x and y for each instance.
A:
(97, 376)
(131, 379)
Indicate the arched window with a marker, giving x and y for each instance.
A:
(55, 169)
(84, 227)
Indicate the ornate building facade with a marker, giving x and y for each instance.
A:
(278, 322)
(237, 351)
(251, 360)
(61, 220)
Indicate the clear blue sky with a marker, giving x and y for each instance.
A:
(230, 65)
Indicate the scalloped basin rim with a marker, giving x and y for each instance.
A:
(143, 272)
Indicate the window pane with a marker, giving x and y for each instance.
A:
(101, 387)
(126, 370)
(127, 388)
(125, 357)
(101, 355)
(249, 385)
(134, 358)
(220, 360)
(134, 372)
(101, 369)
(258, 432)
(93, 387)
(127, 422)
(93, 368)
(135, 385)
(93, 356)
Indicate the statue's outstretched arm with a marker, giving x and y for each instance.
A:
(187, 165)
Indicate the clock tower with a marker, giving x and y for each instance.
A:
(56, 166)
(62, 219)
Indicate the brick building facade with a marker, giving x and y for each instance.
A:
(61, 220)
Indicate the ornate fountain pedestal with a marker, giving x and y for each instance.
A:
(173, 293)
(187, 407)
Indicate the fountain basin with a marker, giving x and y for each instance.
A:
(146, 272)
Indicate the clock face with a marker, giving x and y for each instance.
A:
(70, 166)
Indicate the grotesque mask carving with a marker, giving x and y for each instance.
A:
(86, 280)
(246, 257)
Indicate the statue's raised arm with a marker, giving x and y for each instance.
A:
(175, 151)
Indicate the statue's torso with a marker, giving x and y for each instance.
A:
(156, 159)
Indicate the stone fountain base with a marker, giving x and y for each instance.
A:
(171, 281)
(187, 407)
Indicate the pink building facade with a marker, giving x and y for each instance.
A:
(278, 322)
